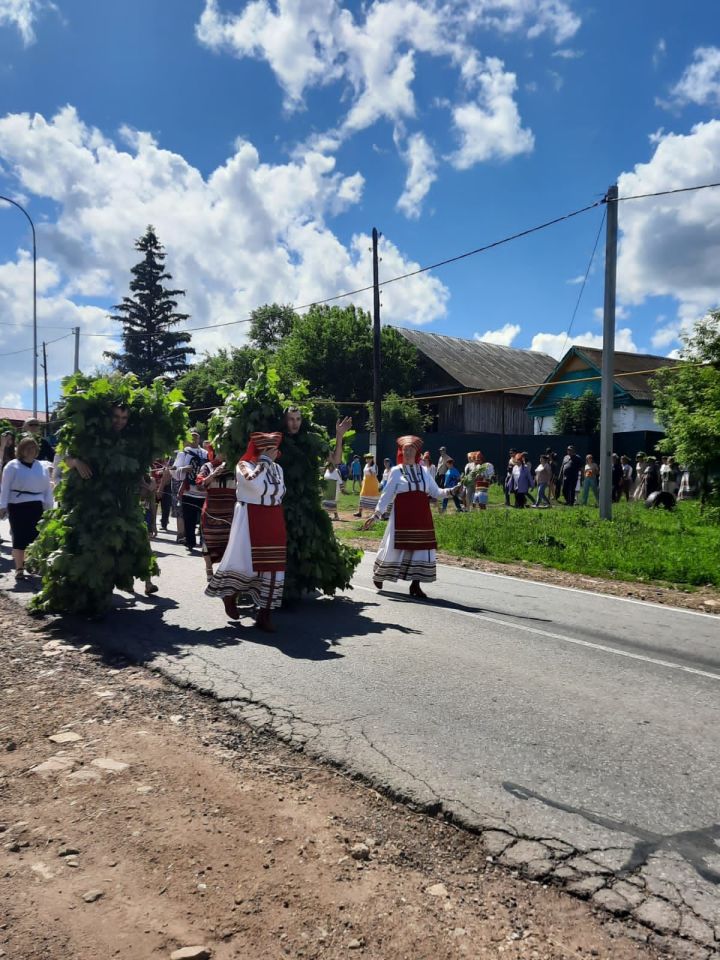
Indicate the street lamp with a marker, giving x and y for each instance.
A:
(34, 248)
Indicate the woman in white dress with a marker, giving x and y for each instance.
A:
(255, 557)
(408, 548)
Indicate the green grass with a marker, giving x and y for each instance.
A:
(676, 547)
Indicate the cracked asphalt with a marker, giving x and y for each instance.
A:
(578, 733)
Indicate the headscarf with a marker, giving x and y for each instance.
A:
(260, 442)
(409, 441)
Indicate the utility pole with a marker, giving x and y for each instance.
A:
(608, 356)
(34, 253)
(76, 368)
(45, 372)
(377, 390)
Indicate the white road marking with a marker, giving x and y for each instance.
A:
(574, 640)
(592, 593)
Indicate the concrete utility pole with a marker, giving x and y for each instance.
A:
(76, 331)
(608, 356)
(377, 390)
(34, 253)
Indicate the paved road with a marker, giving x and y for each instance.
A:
(584, 722)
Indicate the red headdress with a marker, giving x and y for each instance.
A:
(258, 443)
(409, 441)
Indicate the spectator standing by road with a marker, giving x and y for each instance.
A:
(543, 479)
(356, 473)
(32, 428)
(451, 479)
(569, 474)
(591, 472)
(441, 468)
(508, 475)
(651, 477)
(640, 464)
(520, 481)
(669, 476)
(617, 477)
(627, 478)
(25, 493)
(192, 496)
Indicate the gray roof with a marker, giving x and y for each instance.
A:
(483, 366)
(636, 380)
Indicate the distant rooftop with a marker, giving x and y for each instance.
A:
(8, 413)
(483, 366)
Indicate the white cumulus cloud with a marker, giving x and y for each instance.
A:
(490, 127)
(670, 246)
(503, 336)
(247, 233)
(700, 83)
(421, 174)
(557, 344)
(22, 15)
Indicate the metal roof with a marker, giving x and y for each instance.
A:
(483, 366)
(637, 385)
(8, 413)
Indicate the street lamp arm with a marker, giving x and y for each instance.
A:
(34, 251)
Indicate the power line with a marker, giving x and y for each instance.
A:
(14, 353)
(432, 266)
(584, 282)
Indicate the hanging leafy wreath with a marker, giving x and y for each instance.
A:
(316, 559)
(96, 539)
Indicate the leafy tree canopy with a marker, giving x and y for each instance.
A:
(331, 349)
(578, 415)
(151, 348)
(205, 383)
(687, 404)
(270, 325)
(400, 416)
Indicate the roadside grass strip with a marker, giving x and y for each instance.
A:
(677, 547)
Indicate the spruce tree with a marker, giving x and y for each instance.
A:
(150, 347)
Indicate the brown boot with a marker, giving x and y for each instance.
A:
(263, 622)
(231, 609)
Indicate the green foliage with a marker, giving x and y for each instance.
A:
(205, 383)
(270, 324)
(316, 560)
(578, 415)
(150, 347)
(6, 426)
(399, 416)
(676, 547)
(331, 348)
(95, 539)
(687, 404)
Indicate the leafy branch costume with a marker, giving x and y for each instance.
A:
(96, 538)
(316, 560)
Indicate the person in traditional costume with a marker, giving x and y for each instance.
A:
(217, 513)
(255, 557)
(332, 481)
(408, 548)
(370, 490)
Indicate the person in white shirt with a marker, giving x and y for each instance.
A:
(25, 494)
(331, 483)
(186, 468)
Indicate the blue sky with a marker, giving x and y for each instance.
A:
(265, 141)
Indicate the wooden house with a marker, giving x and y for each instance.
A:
(452, 366)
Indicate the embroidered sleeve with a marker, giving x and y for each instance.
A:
(389, 491)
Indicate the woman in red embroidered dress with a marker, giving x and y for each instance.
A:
(407, 551)
(255, 557)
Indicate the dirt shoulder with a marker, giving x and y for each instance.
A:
(156, 822)
(702, 599)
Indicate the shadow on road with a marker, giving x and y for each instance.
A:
(441, 604)
(137, 627)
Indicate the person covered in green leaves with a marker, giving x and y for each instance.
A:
(316, 560)
(96, 539)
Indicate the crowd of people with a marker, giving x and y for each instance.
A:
(233, 513)
(570, 481)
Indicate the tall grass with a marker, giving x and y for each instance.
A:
(676, 547)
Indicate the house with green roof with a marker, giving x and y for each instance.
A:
(580, 370)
